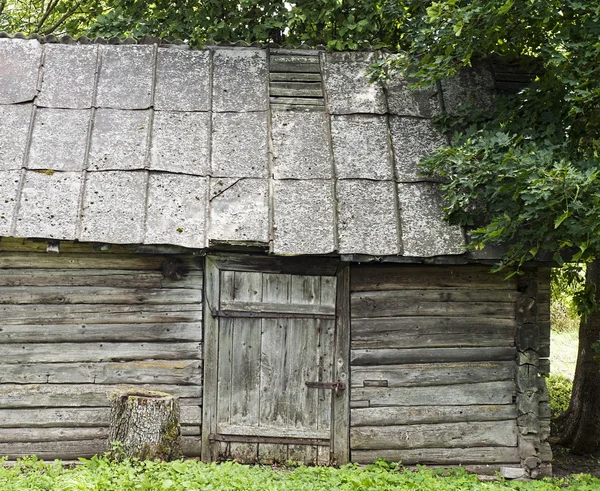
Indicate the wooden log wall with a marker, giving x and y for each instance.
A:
(433, 366)
(77, 325)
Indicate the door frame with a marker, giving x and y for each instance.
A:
(322, 266)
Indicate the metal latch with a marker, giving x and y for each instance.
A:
(337, 387)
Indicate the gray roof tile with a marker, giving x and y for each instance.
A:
(424, 231)
(176, 213)
(232, 92)
(303, 217)
(49, 205)
(14, 131)
(126, 75)
(412, 139)
(180, 142)
(361, 146)
(69, 76)
(347, 88)
(367, 217)
(119, 140)
(239, 210)
(424, 103)
(59, 139)
(469, 86)
(239, 144)
(182, 80)
(9, 188)
(19, 70)
(300, 145)
(114, 207)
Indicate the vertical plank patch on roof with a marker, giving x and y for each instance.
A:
(367, 217)
(361, 147)
(413, 139)
(180, 142)
(49, 205)
(126, 77)
(119, 140)
(182, 80)
(235, 92)
(59, 139)
(424, 231)
(14, 130)
(239, 145)
(239, 210)
(69, 76)
(301, 145)
(19, 70)
(347, 86)
(303, 217)
(176, 212)
(402, 101)
(9, 185)
(114, 207)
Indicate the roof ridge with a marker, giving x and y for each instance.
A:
(166, 41)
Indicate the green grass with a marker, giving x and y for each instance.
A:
(99, 474)
(563, 352)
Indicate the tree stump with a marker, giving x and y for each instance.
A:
(146, 424)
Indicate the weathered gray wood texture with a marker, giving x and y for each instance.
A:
(433, 365)
(78, 325)
(261, 409)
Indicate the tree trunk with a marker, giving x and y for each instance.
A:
(580, 425)
(146, 425)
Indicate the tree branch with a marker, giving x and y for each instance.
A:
(2, 6)
(63, 18)
(51, 6)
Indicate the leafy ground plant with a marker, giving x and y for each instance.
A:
(100, 474)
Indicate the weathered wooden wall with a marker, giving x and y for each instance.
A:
(433, 366)
(76, 325)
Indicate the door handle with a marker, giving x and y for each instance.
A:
(337, 387)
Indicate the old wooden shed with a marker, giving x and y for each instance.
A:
(246, 228)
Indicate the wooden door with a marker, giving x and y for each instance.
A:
(271, 382)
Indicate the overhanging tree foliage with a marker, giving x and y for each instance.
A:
(527, 173)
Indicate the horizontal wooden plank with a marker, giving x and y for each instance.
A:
(97, 277)
(184, 372)
(80, 352)
(304, 265)
(421, 332)
(279, 308)
(403, 415)
(425, 374)
(397, 356)
(281, 91)
(410, 277)
(297, 101)
(302, 67)
(383, 304)
(272, 431)
(84, 333)
(21, 435)
(294, 58)
(90, 261)
(294, 77)
(296, 86)
(78, 417)
(72, 450)
(441, 435)
(81, 395)
(20, 295)
(99, 314)
(443, 456)
(487, 393)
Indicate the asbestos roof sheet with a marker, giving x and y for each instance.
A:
(294, 150)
